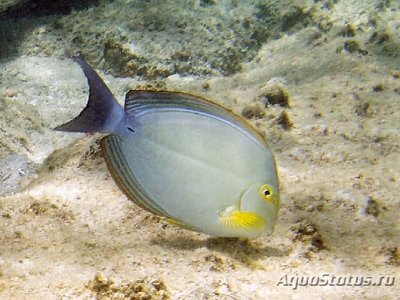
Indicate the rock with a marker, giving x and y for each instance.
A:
(7, 4)
(274, 92)
(253, 111)
(12, 168)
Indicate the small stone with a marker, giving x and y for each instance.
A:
(183, 55)
(274, 92)
(349, 30)
(143, 289)
(308, 234)
(379, 37)
(253, 111)
(284, 121)
(205, 86)
(207, 2)
(218, 263)
(396, 74)
(352, 46)
(393, 255)
(371, 207)
(378, 88)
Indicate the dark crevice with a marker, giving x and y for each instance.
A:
(40, 8)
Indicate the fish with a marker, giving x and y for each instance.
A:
(184, 158)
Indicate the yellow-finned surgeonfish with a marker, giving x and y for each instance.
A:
(184, 158)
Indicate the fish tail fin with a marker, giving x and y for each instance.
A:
(102, 112)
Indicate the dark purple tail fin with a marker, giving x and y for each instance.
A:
(102, 112)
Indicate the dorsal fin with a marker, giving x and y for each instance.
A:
(138, 101)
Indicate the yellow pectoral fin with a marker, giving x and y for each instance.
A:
(243, 220)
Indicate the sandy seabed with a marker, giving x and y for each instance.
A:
(326, 93)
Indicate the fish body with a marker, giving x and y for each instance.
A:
(184, 158)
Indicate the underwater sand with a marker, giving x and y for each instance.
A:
(68, 232)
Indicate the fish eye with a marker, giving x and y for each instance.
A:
(266, 192)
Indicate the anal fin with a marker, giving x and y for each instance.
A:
(181, 224)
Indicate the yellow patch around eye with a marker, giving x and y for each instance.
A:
(244, 220)
(266, 192)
